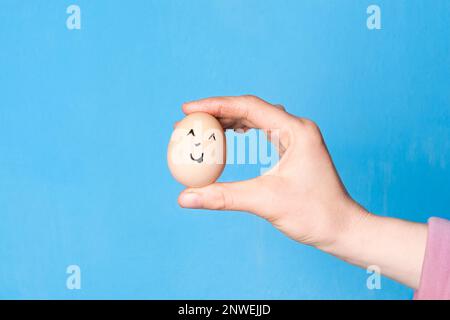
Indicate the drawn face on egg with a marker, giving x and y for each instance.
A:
(200, 159)
(196, 153)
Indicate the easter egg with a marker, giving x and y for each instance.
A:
(196, 153)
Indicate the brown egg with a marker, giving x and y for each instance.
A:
(197, 150)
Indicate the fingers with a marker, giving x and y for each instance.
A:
(238, 196)
(242, 111)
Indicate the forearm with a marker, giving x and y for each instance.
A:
(396, 246)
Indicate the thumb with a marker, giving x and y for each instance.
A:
(238, 196)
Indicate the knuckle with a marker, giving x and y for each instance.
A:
(280, 106)
(250, 97)
(311, 124)
(309, 130)
(313, 132)
(297, 126)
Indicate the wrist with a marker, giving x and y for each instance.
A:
(395, 246)
(354, 221)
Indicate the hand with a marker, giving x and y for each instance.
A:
(303, 195)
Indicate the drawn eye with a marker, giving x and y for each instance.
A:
(191, 132)
(212, 136)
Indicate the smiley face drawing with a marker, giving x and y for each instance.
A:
(196, 153)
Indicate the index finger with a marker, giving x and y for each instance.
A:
(251, 111)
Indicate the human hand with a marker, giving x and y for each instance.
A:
(302, 195)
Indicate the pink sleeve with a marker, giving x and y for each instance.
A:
(435, 279)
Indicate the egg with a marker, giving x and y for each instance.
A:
(196, 153)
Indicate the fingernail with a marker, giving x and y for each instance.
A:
(190, 200)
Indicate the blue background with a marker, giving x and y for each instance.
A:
(86, 115)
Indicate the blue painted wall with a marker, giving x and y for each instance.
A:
(85, 117)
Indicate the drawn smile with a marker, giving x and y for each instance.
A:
(199, 160)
